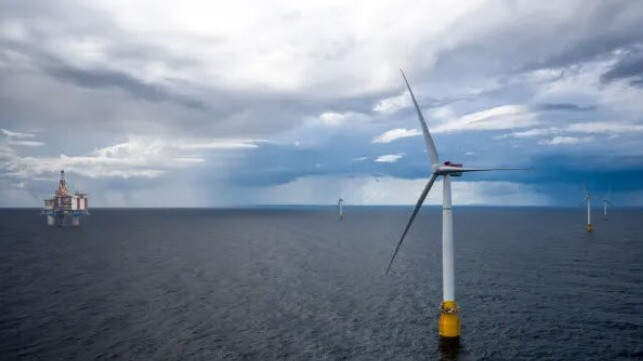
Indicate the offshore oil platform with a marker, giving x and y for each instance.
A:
(64, 205)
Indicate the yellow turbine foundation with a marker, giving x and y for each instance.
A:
(449, 322)
(589, 228)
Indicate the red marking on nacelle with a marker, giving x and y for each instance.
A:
(451, 164)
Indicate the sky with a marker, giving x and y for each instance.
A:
(155, 103)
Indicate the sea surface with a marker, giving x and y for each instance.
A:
(298, 284)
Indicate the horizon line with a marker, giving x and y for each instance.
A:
(325, 205)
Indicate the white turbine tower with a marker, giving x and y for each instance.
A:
(340, 208)
(588, 200)
(606, 200)
(449, 322)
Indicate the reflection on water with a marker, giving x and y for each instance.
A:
(449, 349)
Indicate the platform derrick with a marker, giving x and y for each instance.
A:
(65, 205)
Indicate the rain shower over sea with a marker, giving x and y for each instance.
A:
(298, 284)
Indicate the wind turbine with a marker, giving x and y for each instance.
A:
(449, 322)
(588, 199)
(340, 208)
(606, 200)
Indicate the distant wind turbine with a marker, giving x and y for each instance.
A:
(340, 208)
(606, 200)
(449, 322)
(588, 200)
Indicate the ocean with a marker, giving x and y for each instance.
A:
(298, 284)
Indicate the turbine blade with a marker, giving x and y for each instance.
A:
(430, 146)
(415, 212)
(480, 169)
(584, 189)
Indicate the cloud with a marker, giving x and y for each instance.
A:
(13, 138)
(392, 104)
(584, 127)
(332, 118)
(145, 157)
(630, 66)
(532, 133)
(389, 158)
(602, 29)
(18, 135)
(395, 134)
(103, 78)
(25, 143)
(444, 113)
(605, 127)
(497, 118)
(566, 140)
(215, 144)
(564, 107)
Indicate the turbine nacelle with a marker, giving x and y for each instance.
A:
(587, 194)
(606, 198)
(454, 169)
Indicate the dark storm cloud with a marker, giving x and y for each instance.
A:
(97, 78)
(527, 43)
(50, 62)
(575, 170)
(602, 28)
(630, 67)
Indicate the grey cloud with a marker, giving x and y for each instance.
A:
(256, 112)
(564, 107)
(526, 42)
(600, 28)
(210, 109)
(213, 109)
(52, 65)
(100, 78)
(631, 66)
